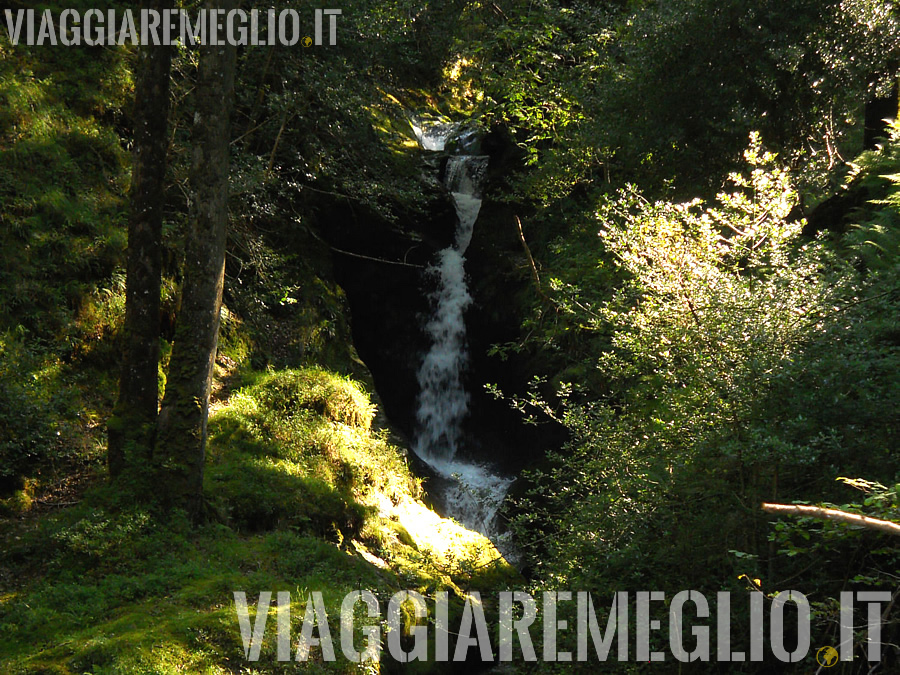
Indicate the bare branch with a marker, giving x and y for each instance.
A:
(834, 514)
(534, 271)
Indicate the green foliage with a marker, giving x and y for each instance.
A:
(536, 71)
(304, 124)
(704, 357)
(63, 175)
(649, 92)
(875, 234)
(61, 184)
(806, 69)
(296, 448)
(832, 543)
(733, 363)
(28, 428)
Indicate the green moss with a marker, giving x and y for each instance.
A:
(301, 482)
(63, 177)
(337, 398)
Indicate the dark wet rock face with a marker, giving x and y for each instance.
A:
(381, 267)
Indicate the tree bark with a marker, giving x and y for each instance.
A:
(181, 443)
(886, 526)
(132, 427)
(878, 110)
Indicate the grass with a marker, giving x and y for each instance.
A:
(310, 497)
(62, 184)
(63, 176)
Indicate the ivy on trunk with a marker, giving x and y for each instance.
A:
(181, 444)
(132, 429)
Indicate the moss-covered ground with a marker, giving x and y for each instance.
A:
(307, 496)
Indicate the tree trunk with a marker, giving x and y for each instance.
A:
(181, 443)
(878, 110)
(133, 424)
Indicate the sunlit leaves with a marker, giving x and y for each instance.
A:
(735, 362)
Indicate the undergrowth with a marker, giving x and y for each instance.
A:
(302, 487)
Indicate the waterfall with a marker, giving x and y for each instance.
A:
(443, 400)
(433, 136)
(473, 493)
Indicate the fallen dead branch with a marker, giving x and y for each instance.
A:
(834, 514)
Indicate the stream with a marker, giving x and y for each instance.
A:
(471, 492)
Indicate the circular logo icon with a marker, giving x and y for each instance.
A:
(307, 41)
(827, 657)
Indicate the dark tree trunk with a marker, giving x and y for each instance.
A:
(878, 110)
(133, 425)
(181, 443)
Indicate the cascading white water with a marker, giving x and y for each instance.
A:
(443, 400)
(476, 493)
(433, 136)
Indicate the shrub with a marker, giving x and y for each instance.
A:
(741, 364)
(27, 438)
